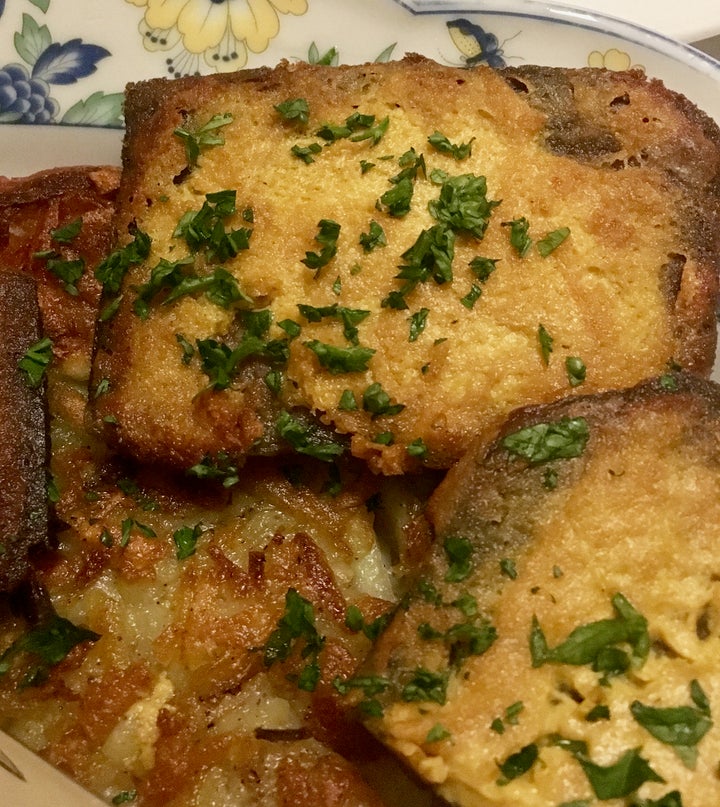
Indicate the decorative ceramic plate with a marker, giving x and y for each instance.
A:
(62, 75)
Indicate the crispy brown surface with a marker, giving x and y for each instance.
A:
(30, 209)
(631, 168)
(24, 447)
(552, 544)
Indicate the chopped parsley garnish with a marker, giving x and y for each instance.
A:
(620, 779)
(327, 237)
(482, 268)
(430, 257)
(294, 109)
(204, 229)
(375, 237)
(508, 568)
(372, 131)
(384, 438)
(69, 272)
(46, 645)
(681, 727)
(219, 286)
(518, 763)
(68, 232)
(443, 145)
(186, 539)
(472, 296)
(411, 164)
(545, 341)
(295, 626)
(221, 363)
(463, 205)
(339, 360)
(563, 439)
(357, 127)
(203, 137)
(576, 370)
(306, 153)
(418, 321)
(307, 440)
(377, 401)
(127, 527)
(610, 646)
(425, 685)
(552, 241)
(36, 360)
(220, 467)
(124, 797)
(348, 402)
(597, 713)
(417, 448)
(396, 200)
(356, 622)
(511, 717)
(458, 551)
(350, 317)
(112, 270)
(463, 640)
(519, 238)
(437, 733)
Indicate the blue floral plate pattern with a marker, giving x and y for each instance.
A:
(64, 63)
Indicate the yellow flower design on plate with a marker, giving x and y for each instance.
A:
(220, 31)
(612, 59)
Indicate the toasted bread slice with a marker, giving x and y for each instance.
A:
(23, 434)
(53, 224)
(565, 628)
(433, 247)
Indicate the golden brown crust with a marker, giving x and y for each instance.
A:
(556, 544)
(632, 290)
(23, 435)
(30, 209)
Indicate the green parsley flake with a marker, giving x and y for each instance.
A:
(375, 237)
(519, 238)
(458, 551)
(306, 153)
(472, 296)
(418, 321)
(68, 232)
(437, 734)
(681, 727)
(443, 145)
(545, 341)
(45, 646)
(576, 370)
(294, 109)
(518, 763)
(417, 449)
(296, 626)
(307, 440)
(543, 442)
(463, 205)
(186, 539)
(220, 467)
(36, 360)
(338, 360)
(377, 401)
(202, 137)
(327, 237)
(610, 646)
(552, 241)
